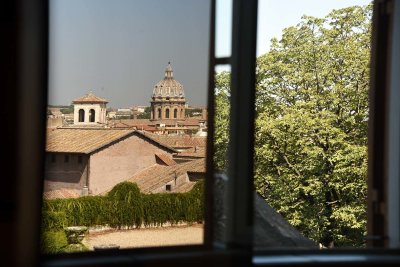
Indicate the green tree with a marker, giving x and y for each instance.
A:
(222, 108)
(146, 114)
(311, 129)
(311, 125)
(67, 109)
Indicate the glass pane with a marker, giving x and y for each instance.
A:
(127, 124)
(221, 143)
(223, 31)
(311, 124)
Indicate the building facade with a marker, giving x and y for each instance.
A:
(168, 98)
(95, 160)
(90, 110)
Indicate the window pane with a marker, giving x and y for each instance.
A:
(127, 124)
(311, 124)
(223, 28)
(221, 144)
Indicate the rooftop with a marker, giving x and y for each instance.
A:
(89, 98)
(61, 193)
(157, 176)
(177, 141)
(86, 141)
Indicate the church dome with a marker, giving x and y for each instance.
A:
(168, 87)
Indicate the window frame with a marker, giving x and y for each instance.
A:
(31, 46)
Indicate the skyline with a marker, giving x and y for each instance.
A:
(120, 52)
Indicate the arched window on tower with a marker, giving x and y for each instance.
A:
(91, 115)
(175, 113)
(182, 114)
(81, 115)
(167, 113)
(159, 113)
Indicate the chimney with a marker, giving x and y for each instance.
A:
(85, 191)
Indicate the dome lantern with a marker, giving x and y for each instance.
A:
(169, 73)
(168, 87)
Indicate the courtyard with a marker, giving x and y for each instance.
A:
(147, 237)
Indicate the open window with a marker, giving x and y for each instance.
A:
(92, 115)
(23, 155)
(81, 115)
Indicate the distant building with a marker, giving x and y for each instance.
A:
(188, 126)
(54, 112)
(170, 177)
(93, 161)
(168, 98)
(123, 113)
(89, 110)
(167, 112)
(139, 109)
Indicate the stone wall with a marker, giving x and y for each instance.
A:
(65, 170)
(119, 162)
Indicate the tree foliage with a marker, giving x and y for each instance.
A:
(67, 110)
(124, 207)
(311, 126)
(146, 114)
(222, 108)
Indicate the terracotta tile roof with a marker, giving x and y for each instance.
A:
(89, 98)
(184, 188)
(138, 124)
(85, 141)
(192, 154)
(152, 123)
(61, 193)
(178, 140)
(166, 159)
(157, 176)
(184, 122)
(133, 122)
(192, 122)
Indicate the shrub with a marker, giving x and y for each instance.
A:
(53, 242)
(125, 206)
(53, 220)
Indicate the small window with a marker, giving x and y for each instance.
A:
(81, 115)
(80, 159)
(66, 158)
(175, 113)
(167, 113)
(92, 115)
(168, 187)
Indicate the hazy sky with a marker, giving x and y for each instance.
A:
(119, 48)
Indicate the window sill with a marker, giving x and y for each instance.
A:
(327, 258)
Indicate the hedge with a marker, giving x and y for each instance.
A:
(124, 207)
(54, 242)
